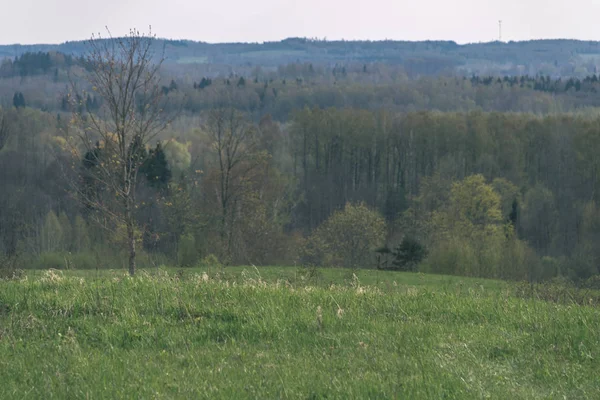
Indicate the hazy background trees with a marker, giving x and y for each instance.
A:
(348, 164)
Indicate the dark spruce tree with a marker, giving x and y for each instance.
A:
(156, 168)
(18, 100)
(408, 255)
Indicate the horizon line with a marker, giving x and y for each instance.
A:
(316, 40)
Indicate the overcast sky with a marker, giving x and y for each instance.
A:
(55, 21)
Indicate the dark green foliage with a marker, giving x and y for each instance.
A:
(155, 168)
(409, 253)
(383, 257)
(92, 157)
(152, 164)
(91, 103)
(205, 82)
(137, 154)
(514, 213)
(64, 103)
(171, 88)
(18, 100)
(587, 84)
(36, 63)
(90, 187)
(32, 63)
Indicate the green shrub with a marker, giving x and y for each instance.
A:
(346, 239)
(50, 260)
(519, 262)
(146, 259)
(550, 267)
(562, 291)
(452, 257)
(211, 261)
(187, 253)
(63, 260)
(8, 267)
(84, 260)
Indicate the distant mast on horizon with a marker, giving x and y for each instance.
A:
(500, 30)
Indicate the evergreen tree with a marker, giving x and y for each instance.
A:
(514, 213)
(18, 100)
(409, 254)
(156, 169)
(89, 104)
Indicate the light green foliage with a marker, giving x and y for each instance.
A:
(51, 234)
(178, 156)
(472, 213)
(81, 238)
(195, 335)
(470, 237)
(475, 207)
(211, 261)
(67, 231)
(187, 254)
(347, 238)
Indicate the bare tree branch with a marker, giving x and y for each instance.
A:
(124, 72)
(236, 146)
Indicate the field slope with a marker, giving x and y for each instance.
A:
(200, 335)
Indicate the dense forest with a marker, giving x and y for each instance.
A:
(475, 160)
(546, 57)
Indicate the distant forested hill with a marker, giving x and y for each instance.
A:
(548, 57)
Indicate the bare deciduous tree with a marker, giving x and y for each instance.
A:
(235, 142)
(124, 72)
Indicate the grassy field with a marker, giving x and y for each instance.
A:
(289, 333)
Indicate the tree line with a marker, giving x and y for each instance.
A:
(126, 179)
(259, 192)
(259, 90)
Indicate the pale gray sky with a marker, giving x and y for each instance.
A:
(55, 21)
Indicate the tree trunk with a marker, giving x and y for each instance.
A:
(130, 235)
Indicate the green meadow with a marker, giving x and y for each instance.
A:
(289, 333)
